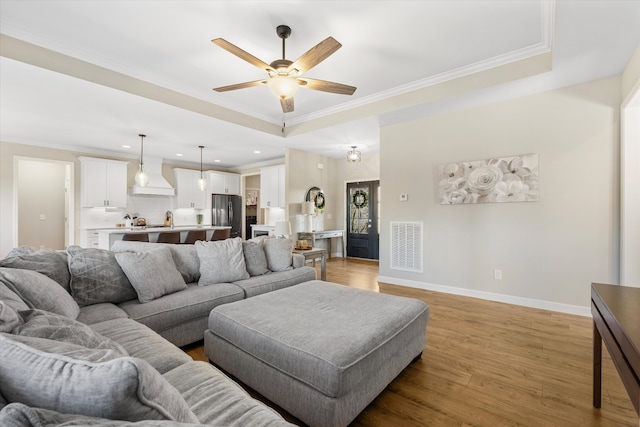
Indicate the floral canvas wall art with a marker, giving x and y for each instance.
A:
(505, 179)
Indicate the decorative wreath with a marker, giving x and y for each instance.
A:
(360, 199)
(319, 201)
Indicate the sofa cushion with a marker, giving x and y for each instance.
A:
(142, 342)
(273, 281)
(39, 291)
(67, 349)
(96, 277)
(9, 318)
(95, 313)
(51, 263)
(42, 324)
(278, 253)
(219, 401)
(124, 388)
(19, 415)
(182, 307)
(221, 261)
(152, 274)
(254, 257)
(184, 256)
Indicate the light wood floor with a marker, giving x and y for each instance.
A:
(488, 364)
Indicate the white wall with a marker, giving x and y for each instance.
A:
(549, 251)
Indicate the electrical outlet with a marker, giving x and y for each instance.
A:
(404, 197)
(497, 274)
(42, 217)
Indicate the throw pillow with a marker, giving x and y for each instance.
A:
(254, 257)
(184, 256)
(279, 254)
(9, 319)
(125, 388)
(96, 277)
(221, 261)
(152, 274)
(42, 324)
(46, 261)
(20, 250)
(10, 298)
(39, 291)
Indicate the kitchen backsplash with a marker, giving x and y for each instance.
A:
(152, 208)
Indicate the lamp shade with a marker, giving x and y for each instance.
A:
(308, 208)
(283, 228)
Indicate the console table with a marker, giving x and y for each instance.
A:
(616, 321)
(312, 236)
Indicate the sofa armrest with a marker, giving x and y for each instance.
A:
(297, 261)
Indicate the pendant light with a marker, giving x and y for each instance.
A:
(202, 184)
(142, 179)
(353, 156)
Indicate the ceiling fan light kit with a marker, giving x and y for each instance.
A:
(284, 75)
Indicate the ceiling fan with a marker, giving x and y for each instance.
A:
(284, 76)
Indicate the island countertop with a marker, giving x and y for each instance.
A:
(106, 237)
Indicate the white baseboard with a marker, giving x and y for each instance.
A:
(509, 299)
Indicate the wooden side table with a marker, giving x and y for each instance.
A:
(616, 321)
(313, 254)
(313, 236)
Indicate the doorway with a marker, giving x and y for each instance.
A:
(363, 225)
(44, 203)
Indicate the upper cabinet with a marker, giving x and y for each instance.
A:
(103, 183)
(187, 193)
(224, 183)
(272, 187)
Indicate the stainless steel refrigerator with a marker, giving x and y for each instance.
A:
(226, 211)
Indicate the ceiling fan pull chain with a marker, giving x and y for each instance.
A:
(283, 123)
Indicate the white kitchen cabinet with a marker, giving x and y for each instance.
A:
(187, 193)
(224, 183)
(272, 187)
(103, 183)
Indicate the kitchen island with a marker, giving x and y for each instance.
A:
(106, 237)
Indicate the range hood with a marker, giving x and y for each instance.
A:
(157, 186)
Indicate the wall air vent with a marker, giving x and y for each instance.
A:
(406, 246)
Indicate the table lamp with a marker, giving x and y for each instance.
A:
(283, 229)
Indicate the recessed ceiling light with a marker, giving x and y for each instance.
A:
(179, 154)
(126, 146)
(256, 152)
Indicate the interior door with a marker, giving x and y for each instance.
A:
(363, 237)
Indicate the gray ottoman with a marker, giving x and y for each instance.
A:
(319, 350)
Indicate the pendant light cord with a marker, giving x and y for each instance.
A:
(141, 148)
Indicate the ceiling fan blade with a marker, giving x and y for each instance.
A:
(287, 104)
(315, 55)
(240, 86)
(325, 86)
(242, 54)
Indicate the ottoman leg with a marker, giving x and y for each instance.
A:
(418, 357)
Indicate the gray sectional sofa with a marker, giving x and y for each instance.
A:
(89, 337)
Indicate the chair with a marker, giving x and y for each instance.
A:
(169, 237)
(194, 235)
(137, 237)
(221, 234)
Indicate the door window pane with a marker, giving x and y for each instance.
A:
(359, 210)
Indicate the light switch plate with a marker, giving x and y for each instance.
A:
(404, 197)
